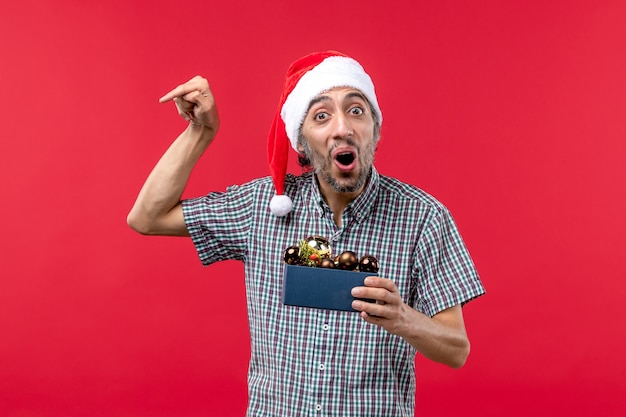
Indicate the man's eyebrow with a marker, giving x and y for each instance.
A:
(356, 94)
(316, 100)
(350, 95)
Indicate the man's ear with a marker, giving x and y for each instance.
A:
(300, 147)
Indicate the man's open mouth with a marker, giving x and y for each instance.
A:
(345, 158)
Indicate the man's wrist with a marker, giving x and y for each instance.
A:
(200, 131)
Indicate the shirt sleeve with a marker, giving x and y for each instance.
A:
(219, 224)
(446, 275)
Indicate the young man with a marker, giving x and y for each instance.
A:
(308, 361)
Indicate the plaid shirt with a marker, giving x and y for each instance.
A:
(313, 362)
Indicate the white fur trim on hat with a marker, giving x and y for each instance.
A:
(334, 71)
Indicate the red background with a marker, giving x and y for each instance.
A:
(511, 113)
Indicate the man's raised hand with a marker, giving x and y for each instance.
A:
(195, 103)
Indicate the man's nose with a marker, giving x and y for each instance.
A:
(342, 127)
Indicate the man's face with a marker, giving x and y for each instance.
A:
(338, 133)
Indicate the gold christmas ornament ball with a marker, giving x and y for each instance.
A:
(318, 243)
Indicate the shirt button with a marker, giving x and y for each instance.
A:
(318, 407)
(325, 327)
(321, 367)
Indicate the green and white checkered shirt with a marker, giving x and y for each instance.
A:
(313, 362)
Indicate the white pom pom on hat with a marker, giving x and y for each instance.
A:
(281, 205)
(306, 78)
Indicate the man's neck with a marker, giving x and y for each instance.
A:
(337, 201)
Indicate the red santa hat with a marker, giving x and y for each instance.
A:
(306, 78)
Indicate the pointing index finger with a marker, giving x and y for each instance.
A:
(179, 91)
(196, 83)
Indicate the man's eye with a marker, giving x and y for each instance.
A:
(321, 116)
(356, 111)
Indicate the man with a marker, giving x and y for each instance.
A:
(307, 361)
